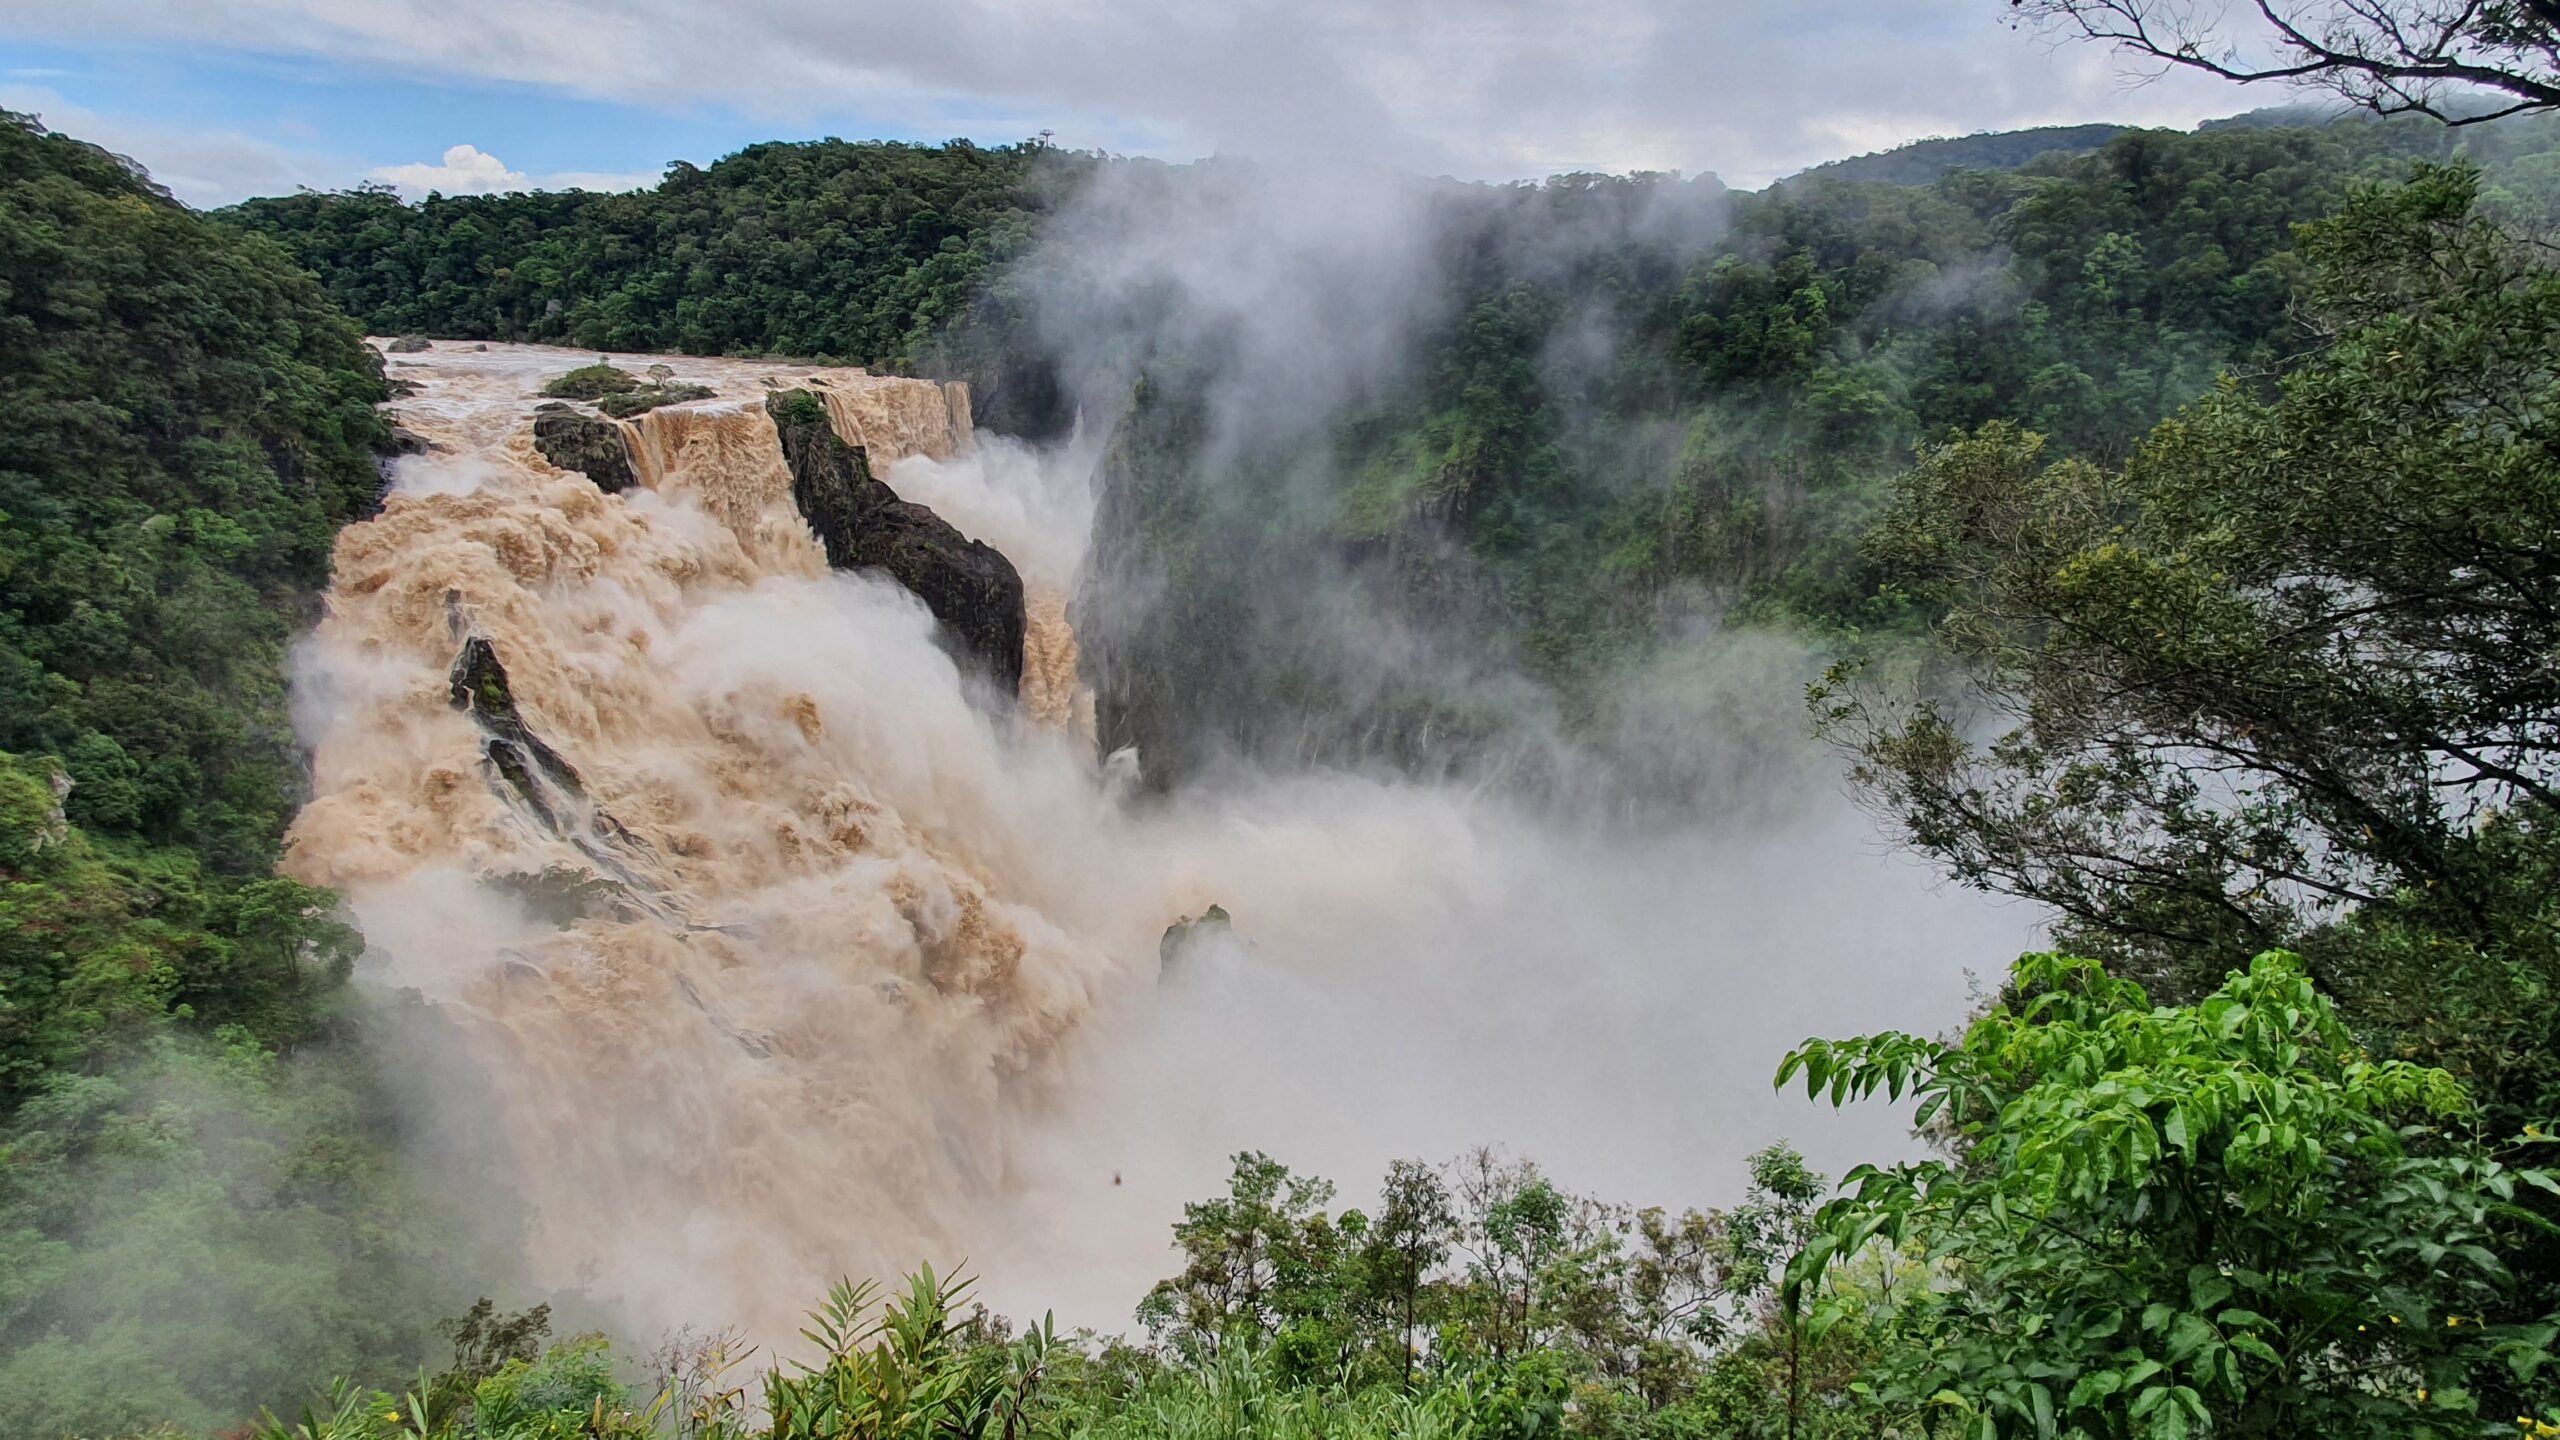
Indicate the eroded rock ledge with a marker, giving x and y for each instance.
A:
(968, 585)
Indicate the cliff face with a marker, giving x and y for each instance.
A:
(968, 585)
(1226, 610)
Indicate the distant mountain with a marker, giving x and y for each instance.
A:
(1923, 161)
(2303, 115)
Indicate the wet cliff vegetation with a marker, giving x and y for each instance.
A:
(197, 1195)
(2210, 478)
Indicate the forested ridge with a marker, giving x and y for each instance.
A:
(2210, 475)
(858, 252)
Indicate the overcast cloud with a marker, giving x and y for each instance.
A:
(1492, 89)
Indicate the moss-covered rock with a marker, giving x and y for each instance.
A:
(537, 774)
(574, 440)
(650, 397)
(591, 382)
(1182, 934)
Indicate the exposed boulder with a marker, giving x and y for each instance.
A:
(1181, 935)
(968, 585)
(408, 345)
(575, 440)
(563, 895)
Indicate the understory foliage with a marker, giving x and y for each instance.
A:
(1479, 1300)
(2217, 1219)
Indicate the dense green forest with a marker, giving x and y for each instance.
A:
(856, 252)
(2212, 474)
(1923, 161)
(196, 1191)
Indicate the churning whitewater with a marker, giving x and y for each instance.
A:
(782, 946)
(740, 916)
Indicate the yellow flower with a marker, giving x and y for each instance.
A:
(2395, 1319)
(2450, 1321)
(2422, 1395)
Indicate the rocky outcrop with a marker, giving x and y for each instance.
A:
(575, 440)
(527, 771)
(968, 585)
(525, 761)
(1211, 924)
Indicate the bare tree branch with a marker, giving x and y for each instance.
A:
(2389, 56)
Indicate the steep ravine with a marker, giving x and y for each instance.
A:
(781, 943)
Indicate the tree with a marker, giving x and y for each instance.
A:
(1245, 1252)
(1407, 1240)
(1512, 1220)
(2390, 56)
(1771, 1226)
(2283, 678)
(2223, 1218)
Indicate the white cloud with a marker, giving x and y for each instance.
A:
(201, 167)
(470, 170)
(466, 170)
(1479, 88)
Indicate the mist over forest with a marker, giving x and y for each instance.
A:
(988, 790)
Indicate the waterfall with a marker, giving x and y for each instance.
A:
(741, 898)
(778, 950)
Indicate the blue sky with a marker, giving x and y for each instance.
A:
(309, 120)
(225, 98)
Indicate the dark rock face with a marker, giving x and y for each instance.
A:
(525, 761)
(526, 770)
(574, 440)
(1182, 934)
(968, 585)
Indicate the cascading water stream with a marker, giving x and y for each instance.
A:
(739, 936)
